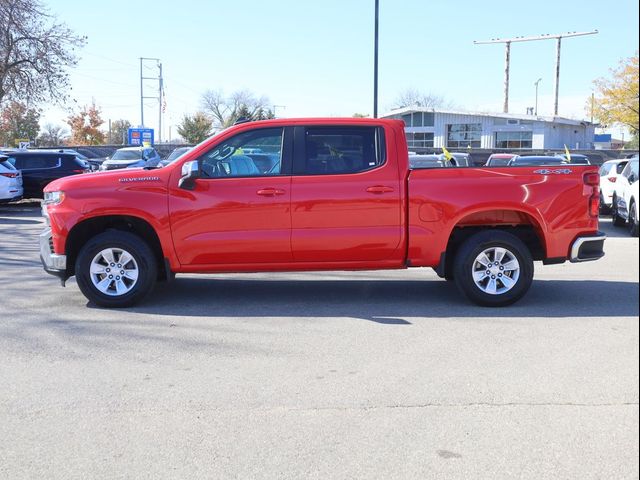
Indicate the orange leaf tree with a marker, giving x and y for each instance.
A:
(85, 126)
(616, 97)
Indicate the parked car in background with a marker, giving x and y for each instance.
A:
(461, 159)
(132, 157)
(10, 181)
(576, 159)
(428, 161)
(535, 160)
(499, 159)
(624, 209)
(176, 153)
(40, 167)
(609, 173)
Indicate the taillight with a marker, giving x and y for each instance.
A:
(612, 179)
(9, 175)
(77, 171)
(593, 180)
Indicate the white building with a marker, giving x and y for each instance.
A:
(430, 129)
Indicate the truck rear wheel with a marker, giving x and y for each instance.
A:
(116, 269)
(493, 268)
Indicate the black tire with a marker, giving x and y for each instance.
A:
(633, 224)
(604, 209)
(465, 261)
(616, 219)
(145, 263)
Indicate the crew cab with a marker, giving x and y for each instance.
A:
(335, 194)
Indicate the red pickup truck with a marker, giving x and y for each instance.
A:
(317, 194)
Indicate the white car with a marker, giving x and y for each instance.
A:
(609, 174)
(132, 157)
(625, 198)
(10, 181)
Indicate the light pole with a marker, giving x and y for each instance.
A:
(375, 61)
(536, 84)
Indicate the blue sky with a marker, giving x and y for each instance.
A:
(316, 57)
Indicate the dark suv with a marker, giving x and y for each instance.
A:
(41, 168)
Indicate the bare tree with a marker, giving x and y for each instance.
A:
(52, 136)
(35, 52)
(225, 111)
(412, 97)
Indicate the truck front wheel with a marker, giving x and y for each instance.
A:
(493, 268)
(116, 269)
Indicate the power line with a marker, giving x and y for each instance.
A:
(507, 59)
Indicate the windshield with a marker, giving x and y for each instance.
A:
(7, 164)
(499, 162)
(127, 155)
(534, 161)
(177, 153)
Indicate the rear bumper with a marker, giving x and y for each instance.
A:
(588, 248)
(52, 263)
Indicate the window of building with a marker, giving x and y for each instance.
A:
(464, 135)
(514, 139)
(419, 140)
(407, 120)
(342, 150)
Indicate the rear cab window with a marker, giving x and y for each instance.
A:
(340, 150)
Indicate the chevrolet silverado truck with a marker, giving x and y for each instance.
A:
(317, 194)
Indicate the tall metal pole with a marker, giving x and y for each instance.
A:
(141, 97)
(160, 103)
(556, 88)
(507, 61)
(536, 84)
(375, 62)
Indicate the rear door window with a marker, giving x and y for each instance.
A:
(341, 150)
(36, 162)
(620, 167)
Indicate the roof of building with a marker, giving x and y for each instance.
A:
(513, 116)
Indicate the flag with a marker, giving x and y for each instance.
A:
(447, 155)
(566, 152)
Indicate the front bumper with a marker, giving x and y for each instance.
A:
(588, 248)
(52, 263)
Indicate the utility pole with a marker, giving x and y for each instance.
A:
(158, 98)
(507, 63)
(509, 41)
(536, 84)
(375, 61)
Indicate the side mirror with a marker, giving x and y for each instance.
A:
(189, 174)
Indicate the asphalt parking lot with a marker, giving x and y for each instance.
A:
(322, 375)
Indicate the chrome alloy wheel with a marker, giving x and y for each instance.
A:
(496, 270)
(114, 271)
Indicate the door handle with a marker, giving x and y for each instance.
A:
(270, 192)
(379, 189)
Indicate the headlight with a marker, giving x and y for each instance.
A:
(53, 198)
